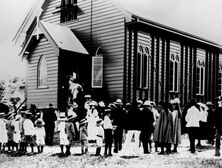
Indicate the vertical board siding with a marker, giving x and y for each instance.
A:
(35, 95)
(107, 33)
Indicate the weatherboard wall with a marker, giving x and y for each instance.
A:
(42, 96)
(106, 27)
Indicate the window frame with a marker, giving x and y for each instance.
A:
(200, 81)
(174, 75)
(142, 66)
(93, 70)
(42, 60)
(68, 10)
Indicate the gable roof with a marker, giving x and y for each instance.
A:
(193, 19)
(62, 37)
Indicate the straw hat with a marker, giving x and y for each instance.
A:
(147, 103)
(209, 103)
(62, 116)
(118, 102)
(88, 96)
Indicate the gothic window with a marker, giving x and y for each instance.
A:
(42, 72)
(142, 67)
(200, 77)
(174, 72)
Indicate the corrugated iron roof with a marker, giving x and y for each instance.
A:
(64, 38)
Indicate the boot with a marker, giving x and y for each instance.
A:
(68, 150)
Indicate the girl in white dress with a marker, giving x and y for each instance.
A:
(3, 131)
(40, 135)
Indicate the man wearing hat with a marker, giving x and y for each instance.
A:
(119, 117)
(83, 135)
(108, 128)
(49, 117)
(218, 126)
(3, 131)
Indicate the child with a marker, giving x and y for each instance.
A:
(70, 130)
(16, 132)
(83, 135)
(3, 132)
(99, 136)
(62, 134)
(40, 135)
(10, 130)
(108, 129)
(29, 131)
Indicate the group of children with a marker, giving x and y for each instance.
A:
(67, 134)
(18, 131)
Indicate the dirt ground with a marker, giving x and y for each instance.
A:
(50, 158)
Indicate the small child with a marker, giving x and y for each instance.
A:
(62, 134)
(29, 131)
(40, 135)
(3, 132)
(16, 132)
(108, 130)
(83, 135)
(70, 131)
(99, 136)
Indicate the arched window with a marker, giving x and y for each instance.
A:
(174, 72)
(142, 67)
(42, 72)
(200, 77)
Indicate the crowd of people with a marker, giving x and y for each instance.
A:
(126, 127)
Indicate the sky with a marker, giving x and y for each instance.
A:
(199, 17)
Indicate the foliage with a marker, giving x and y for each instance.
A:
(12, 91)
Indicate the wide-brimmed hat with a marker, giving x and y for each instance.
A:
(83, 121)
(147, 103)
(209, 103)
(93, 103)
(202, 105)
(62, 116)
(118, 102)
(88, 96)
(39, 123)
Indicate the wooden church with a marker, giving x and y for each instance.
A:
(114, 54)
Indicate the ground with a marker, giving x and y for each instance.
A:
(204, 158)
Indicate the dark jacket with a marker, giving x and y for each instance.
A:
(134, 119)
